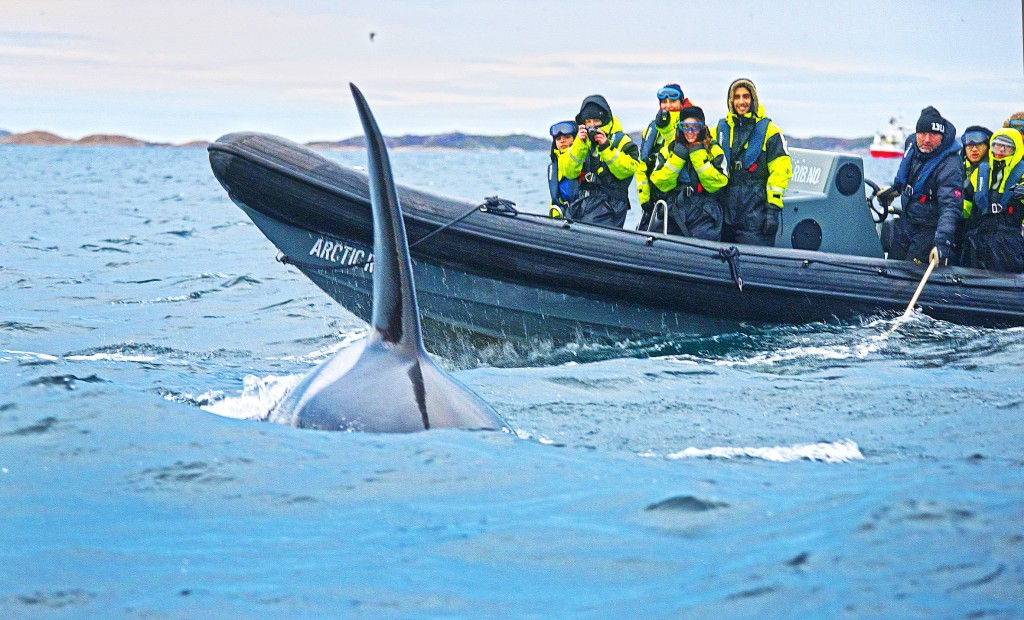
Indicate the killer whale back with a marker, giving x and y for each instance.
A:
(388, 382)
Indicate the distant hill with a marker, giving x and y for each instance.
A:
(110, 140)
(447, 141)
(456, 141)
(45, 138)
(39, 138)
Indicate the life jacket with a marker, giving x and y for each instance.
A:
(594, 171)
(561, 190)
(755, 144)
(918, 192)
(981, 195)
(650, 140)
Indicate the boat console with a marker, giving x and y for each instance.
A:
(825, 206)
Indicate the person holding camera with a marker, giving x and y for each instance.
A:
(693, 171)
(605, 160)
(659, 132)
(930, 182)
(759, 168)
(994, 204)
(562, 187)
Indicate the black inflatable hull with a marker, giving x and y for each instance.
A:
(526, 276)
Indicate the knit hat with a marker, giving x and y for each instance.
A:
(1004, 140)
(692, 112)
(675, 86)
(931, 122)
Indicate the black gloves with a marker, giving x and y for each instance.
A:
(662, 119)
(679, 148)
(1017, 193)
(940, 254)
(771, 222)
(682, 149)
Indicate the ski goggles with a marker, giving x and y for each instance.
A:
(1018, 124)
(973, 137)
(691, 127)
(564, 128)
(670, 93)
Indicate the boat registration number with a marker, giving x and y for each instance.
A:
(810, 175)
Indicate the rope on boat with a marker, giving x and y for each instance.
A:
(731, 255)
(492, 204)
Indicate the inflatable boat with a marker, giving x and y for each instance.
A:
(486, 268)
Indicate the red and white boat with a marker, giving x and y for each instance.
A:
(889, 143)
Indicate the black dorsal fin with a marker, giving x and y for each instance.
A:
(395, 313)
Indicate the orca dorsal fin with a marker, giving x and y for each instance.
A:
(395, 312)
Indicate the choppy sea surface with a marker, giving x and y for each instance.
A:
(831, 470)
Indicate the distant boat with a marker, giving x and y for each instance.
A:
(889, 143)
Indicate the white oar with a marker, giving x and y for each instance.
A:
(934, 260)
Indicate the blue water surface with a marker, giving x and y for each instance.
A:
(831, 470)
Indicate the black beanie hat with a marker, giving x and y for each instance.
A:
(692, 111)
(931, 121)
(592, 110)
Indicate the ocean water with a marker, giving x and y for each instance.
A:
(831, 470)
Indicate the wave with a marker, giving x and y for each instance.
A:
(258, 397)
(842, 451)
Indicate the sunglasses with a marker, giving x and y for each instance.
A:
(670, 93)
(691, 127)
(973, 137)
(564, 128)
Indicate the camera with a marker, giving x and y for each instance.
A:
(591, 132)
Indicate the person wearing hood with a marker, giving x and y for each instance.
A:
(930, 181)
(975, 147)
(994, 202)
(759, 168)
(975, 150)
(659, 132)
(607, 159)
(693, 169)
(562, 187)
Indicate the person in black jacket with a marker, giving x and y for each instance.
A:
(930, 181)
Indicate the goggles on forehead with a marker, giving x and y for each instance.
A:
(564, 128)
(693, 127)
(1018, 124)
(670, 93)
(973, 137)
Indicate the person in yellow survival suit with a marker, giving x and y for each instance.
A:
(759, 168)
(605, 160)
(693, 170)
(563, 188)
(994, 205)
(659, 132)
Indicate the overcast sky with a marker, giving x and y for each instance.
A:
(196, 69)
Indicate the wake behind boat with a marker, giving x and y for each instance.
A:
(493, 271)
